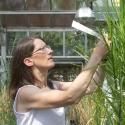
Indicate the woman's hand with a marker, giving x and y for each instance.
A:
(107, 39)
(100, 49)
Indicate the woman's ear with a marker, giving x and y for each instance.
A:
(28, 61)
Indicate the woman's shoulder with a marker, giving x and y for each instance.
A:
(27, 90)
(28, 87)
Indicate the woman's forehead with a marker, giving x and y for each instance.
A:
(39, 42)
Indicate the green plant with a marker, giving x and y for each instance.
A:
(115, 66)
(6, 114)
(112, 110)
(109, 101)
(6, 110)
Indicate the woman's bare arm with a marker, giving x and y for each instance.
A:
(96, 82)
(47, 98)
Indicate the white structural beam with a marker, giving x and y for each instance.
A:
(36, 12)
(38, 29)
(100, 15)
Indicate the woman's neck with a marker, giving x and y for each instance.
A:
(40, 78)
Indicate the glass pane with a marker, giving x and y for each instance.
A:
(14, 4)
(0, 42)
(74, 44)
(35, 34)
(0, 21)
(91, 42)
(79, 3)
(62, 20)
(12, 39)
(15, 20)
(64, 4)
(37, 4)
(24, 5)
(39, 20)
(100, 5)
(2, 4)
(0, 50)
(26, 20)
(55, 40)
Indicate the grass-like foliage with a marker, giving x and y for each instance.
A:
(112, 110)
(6, 113)
(109, 101)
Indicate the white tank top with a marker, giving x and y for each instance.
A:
(52, 116)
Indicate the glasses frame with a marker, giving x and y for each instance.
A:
(43, 49)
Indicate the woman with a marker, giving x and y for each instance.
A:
(39, 101)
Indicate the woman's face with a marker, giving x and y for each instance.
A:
(42, 55)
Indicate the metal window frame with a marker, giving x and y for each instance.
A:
(100, 16)
(63, 30)
(72, 59)
(36, 12)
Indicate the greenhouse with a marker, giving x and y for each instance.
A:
(49, 19)
(52, 20)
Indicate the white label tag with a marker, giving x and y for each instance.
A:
(85, 29)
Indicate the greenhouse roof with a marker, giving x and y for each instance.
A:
(39, 13)
(36, 19)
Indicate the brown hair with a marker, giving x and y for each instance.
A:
(20, 73)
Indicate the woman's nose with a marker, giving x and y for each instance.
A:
(50, 50)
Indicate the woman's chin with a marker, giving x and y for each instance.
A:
(52, 65)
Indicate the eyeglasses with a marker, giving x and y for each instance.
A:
(43, 49)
